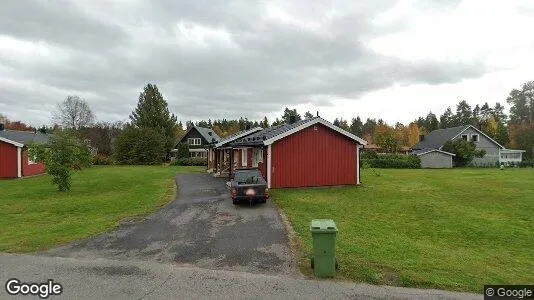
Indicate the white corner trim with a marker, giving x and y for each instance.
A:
(313, 122)
(16, 144)
(358, 166)
(269, 165)
(19, 162)
(476, 129)
(244, 133)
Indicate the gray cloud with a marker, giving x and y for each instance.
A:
(245, 57)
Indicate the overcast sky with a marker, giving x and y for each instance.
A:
(394, 60)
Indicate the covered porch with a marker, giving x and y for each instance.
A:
(227, 159)
(510, 157)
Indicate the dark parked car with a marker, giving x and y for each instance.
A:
(248, 185)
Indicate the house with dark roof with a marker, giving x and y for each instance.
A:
(305, 153)
(15, 162)
(199, 139)
(222, 149)
(429, 149)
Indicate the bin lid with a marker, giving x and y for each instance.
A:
(323, 225)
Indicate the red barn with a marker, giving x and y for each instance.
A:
(14, 159)
(306, 153)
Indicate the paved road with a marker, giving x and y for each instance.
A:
(201, 228)
(110, 279)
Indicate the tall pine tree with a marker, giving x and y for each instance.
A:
(152, 112)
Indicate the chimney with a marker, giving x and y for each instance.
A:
(317, 113)
(421, 137)
(292, 119)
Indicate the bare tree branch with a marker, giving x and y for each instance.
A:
(74, 113)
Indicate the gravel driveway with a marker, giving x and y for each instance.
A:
(202, 228)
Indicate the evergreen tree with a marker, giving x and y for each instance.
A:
(464, 113)
(308, 115)
(446, 120)
(288, 113)
(522, 102)
(153, 113)
(356, 126)
(265, 122)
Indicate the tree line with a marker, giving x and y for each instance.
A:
(152, 122)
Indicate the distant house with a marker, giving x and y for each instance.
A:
(306, 153)
(427, 148)
(15, 162)
(199, 139)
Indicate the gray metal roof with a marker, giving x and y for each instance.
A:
(24, 137)
(239, 134)
(209, 135)
(437, 138)
(267, 133)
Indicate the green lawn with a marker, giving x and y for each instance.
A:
(35, 216)
(452, 229)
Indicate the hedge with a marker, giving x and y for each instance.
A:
(391, 161)
(189, 161)
(102, 160)
(527, 164)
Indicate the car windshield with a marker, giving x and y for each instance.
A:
(248, 177)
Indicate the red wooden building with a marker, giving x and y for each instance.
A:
(14, 159)
(306, 153)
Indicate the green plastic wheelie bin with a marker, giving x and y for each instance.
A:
(324, 262)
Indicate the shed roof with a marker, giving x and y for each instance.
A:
(419, 152)
(21, 138)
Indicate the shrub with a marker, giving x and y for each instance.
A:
(190, 161)
(464, 152)
(368, 155)
(526, 164)
(140, 146)
(102, 160)
(394, 161)
(63, 153)
(183, 150)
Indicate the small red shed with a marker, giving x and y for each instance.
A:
(307, 153)
(14, 159)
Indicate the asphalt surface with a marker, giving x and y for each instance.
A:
(202, 228)
(112, 279)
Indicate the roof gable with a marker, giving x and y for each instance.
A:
(207, 134)
(270, 135)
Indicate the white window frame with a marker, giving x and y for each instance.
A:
(258, 157)
(194, 141)
(466, 137)
(478, 137)
(244, 157)
(31, 160)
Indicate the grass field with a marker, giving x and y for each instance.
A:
(35, 216)
(452, 229)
